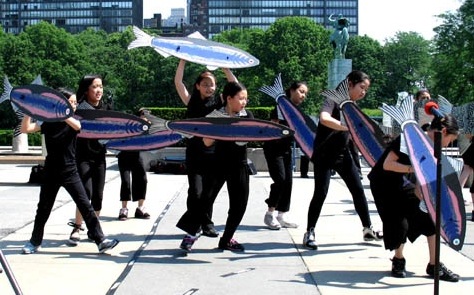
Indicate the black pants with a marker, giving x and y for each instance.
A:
(304, 165)
(69, 179)
(281, 172)
(133, 176)
(345, 166)
(92, 173)
(201, 173)
(237, 179)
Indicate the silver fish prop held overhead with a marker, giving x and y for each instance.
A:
(421, 153)
(100, 124)
(366, 134)
(303, 134)
(223, 128)
(37, 101)
(195, 48)
(145, 142)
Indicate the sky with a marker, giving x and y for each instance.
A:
(378, 19)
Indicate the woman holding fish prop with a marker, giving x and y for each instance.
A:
(61, 170)
(331, 153)
(278, 154)
(200, 160)
(397, 197)
(90, 153)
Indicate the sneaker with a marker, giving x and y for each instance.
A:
(141, 214)
(232, 245)
(271, 221)
(209, 231)
(309, 240)
(370, 235)
(123, 214)
(398, 267)
(286, 224)
(444, 273)
(29, 248)
(75, 236)
(188, 242)
(107, 244)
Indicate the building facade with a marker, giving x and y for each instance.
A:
(72, 15)
(211, 17)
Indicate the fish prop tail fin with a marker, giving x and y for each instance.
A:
(340, 94)
(142, 39)
(402, 114)
(276, 90)
(157, 124)
(445, 107)
(216, 114)
(7, 89)
(457, 164)
(38, 80)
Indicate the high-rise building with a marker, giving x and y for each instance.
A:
(72, 15)
(211, 17)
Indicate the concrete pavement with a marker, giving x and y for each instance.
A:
(148, 260)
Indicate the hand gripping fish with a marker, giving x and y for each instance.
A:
(221, 127)
(100, 124)
(304, 135)
(195, 48)
(145, 142)
(366, 134)
(37, 101)
(421, 153)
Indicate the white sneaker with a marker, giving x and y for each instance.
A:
(271, 221)
(286, 224)
(370, 235)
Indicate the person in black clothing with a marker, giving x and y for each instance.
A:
(331, 152)
(61, 170)
(278, 154)
(134, 180)
(398, 201)
(200, 160)
(468, 168)
(90, 153)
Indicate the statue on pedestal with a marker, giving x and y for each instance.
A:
(340, 37)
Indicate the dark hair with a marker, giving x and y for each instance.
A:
(357, 76)
(84, 84)
(231, 89)
(448, 122)
(420, 93)
(66, 92)
(295, 85)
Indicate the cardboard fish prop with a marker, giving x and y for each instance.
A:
(37, 101)
(421, 153)
(297, 120)
(195, 48)
(145, 142)
(100, 124)
(366, 134)
(221, 127)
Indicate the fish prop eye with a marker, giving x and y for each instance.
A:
(145, 128)
(286, 132)
(68, 111)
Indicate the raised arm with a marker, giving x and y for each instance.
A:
(27, 126)
(178, 83)
(229, 75)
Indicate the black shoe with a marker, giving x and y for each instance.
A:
(141, 214)
(444, 273)
(232, 245)
(107, 244)
(210, 231)
(398, 267)
(309, 240)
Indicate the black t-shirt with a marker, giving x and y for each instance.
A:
(330, 143)
(278, 146)
(91, 149)
(60, 140)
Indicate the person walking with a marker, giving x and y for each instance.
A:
(61, 170)
(331, 152)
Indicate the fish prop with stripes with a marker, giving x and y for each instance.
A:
(420, 150)
(218, 126)
(366, 134)
(195, 48)
(145, 142)
(101, 124)
(37, 101)
(304, 134)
